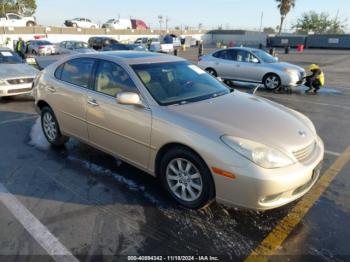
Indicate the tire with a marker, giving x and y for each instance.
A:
(212, 72)
(30, 24)
(272, 82)
(51, 128)
(199, 189)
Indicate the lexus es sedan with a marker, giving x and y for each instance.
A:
(252, 65)
(16, 77)
(174, 121)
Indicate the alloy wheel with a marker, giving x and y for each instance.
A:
(49, 126)
(184, 179)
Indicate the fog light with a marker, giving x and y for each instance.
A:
(271, 198)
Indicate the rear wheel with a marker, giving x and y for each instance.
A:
(51, 128)
(187, 178)
(212, 72)
(30, 24)
(272, 82)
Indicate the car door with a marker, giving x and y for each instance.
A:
(225, 65)
(248, 66)
(121, 130)
(68, 95)
(14, 20)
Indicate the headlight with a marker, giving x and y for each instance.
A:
(260, 154)
(290, 71)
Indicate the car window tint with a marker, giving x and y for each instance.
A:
(112, 79)
(58, 72)
(78, 71)
(244, 56)
(225, 54)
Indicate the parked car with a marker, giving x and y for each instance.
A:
(73, 47)
(171, 119)
(80, 23)
(16, 77)
(123, 47)
(99, 43)
(41, 47)
(118, 24)
(252, 65)
(15, 20)
(161, 47)
(142, 40)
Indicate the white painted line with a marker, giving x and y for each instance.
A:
(332, 153)
(35, 228)
(307, 102)
(18, 120)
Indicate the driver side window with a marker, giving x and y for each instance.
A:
(112, 79)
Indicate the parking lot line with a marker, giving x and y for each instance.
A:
(35, 228)
(306, 101)
(18, 119)
(279, 234)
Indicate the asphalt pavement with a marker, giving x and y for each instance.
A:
(79, 204)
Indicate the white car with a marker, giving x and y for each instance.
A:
(16, 77)
(118, 24)
(81, 23)
(14, 20)
(41, 47)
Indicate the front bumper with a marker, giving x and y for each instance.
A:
(263, 189)
(293, 80)
(13, 90)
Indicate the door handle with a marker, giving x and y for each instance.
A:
(51, 89)
(92, 102)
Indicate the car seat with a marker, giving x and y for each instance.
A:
(154, 87)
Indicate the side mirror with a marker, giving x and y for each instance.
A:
(255, 60)
(129, 98)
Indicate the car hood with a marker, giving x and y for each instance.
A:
(284, 65)
(246, 116)
(8, 71)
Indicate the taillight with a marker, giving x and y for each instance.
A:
(41, 47)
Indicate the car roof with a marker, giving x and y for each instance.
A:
(238, 48)
(137, 57)
(5, 49)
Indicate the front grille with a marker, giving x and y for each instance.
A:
(14, 91)
(20, 81)
(305, 153)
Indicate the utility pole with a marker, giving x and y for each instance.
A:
(166, 23)
(160, 19)
(261, 21)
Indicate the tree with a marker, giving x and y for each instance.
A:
(319, 23)
(25, 7)
(284, 6)
(269, 30)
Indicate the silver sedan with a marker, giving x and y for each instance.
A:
(174, 121)
(251, 65)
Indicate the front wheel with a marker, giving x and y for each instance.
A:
(212, 72)
(187, 178)
(51, 128)
(272, 82)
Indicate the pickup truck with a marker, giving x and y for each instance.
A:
(14, 20)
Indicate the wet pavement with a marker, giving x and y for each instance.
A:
(102, 209)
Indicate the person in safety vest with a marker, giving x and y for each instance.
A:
(20, 47)
(316, 80)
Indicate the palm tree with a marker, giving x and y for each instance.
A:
(284, 6)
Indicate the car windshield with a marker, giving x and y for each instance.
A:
(43, 43)
(178, 82)
(110, 21)
(8, 57)
(265, 57)
(78, 45)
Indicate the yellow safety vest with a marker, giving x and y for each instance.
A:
(321, 78)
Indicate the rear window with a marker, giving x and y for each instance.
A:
(76, 71)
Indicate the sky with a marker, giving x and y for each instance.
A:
(233, 14)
